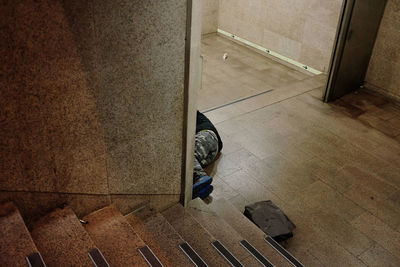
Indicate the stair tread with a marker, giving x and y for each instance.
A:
(115, 238)
(160, 236)
(193, 233)
(250, 262)
(62, 240)
(247, 230)
(220, 229)
(15, 243)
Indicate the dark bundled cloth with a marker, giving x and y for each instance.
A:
(270, 219)
(203, 123)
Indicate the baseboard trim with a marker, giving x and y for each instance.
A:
(269, 53)
(374, 89)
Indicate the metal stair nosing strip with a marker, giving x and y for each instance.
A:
(35, 260)
(150, 257)
(256, 254)
(192, 255)
(97, 257)
(283, 252)
(226, 254)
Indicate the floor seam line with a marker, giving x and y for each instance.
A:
(237, 101)
(245, 113)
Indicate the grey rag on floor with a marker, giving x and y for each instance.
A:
(270, 219)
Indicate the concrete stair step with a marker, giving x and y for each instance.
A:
(62, 240)
(221, 230)
(115, 237)
(248, 230)
(160, 236)
(15, 240)
(192, 232)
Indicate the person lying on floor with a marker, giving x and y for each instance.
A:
(208, 144)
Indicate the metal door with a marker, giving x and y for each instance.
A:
(356, 36)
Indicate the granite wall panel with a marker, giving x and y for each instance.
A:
(92, 96)
(141, 48)
(384, 69)
(53, 138)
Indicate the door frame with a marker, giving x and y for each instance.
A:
(338, 47)
(351, 11)
(191, 87)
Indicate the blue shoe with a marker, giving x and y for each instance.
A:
(201, 183)
(205, 192)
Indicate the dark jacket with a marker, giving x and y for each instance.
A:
(203, 123)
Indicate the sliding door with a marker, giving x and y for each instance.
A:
(356, 36)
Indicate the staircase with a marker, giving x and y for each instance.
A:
(215, 234)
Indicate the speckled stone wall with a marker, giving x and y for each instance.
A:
(92, 97)
(384, 69)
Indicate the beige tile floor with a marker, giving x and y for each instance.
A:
(333, 168)
(242, 74)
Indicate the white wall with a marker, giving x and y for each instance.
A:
(303, 30)
(209, 16)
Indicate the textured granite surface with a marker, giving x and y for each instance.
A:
(162, 202)
(192, 232)
(248, 231)
(140, 68)
(62, 240)
(92, 96)
(33, 205)
(160, 236)
(15, 242)
(129, 203)
(219, 228)
(384, 68)
(115, 238)
(52, 140)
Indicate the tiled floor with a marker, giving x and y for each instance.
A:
(333, 168)
(244, 73)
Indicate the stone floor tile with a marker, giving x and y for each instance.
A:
(377, 256)
(377, 230)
